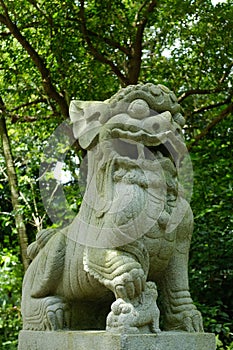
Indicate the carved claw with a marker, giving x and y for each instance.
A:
(57, 315)
(193, 321)
(189, 321)
(129, 284)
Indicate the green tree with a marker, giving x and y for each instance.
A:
(55, 51)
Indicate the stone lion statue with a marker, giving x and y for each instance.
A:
(133, 231)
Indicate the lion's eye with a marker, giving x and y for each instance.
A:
(139, 109)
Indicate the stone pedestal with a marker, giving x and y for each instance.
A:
(102, 340)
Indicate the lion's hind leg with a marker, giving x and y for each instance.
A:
(42, 307)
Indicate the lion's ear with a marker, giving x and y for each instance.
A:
(85, 116)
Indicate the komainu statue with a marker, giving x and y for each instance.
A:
(129, 243)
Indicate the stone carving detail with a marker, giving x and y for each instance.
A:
(141, 314)
(133, 230)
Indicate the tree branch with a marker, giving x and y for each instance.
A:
(35, 4)
(214, 122)
(110, 42)
(39, 100)
(100, 57)
(38, 61)
(136, 51)
(147, 11)
(198, 92)
(4, 34)
(140, 10)
(27, 118)
(212, 106)
(2, 18)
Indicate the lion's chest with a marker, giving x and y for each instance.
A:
(160, 247)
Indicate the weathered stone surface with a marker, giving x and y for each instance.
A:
(137, 315)
(132, 232)
(101, 340)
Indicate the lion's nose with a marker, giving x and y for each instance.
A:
(155, 127)
(158, 123)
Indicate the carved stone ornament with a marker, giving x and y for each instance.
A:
(129, 243)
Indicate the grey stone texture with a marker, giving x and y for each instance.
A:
(102, 340)
(132, 234)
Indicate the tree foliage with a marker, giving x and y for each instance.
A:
(10, 287)
(53, 52)
(211, 255)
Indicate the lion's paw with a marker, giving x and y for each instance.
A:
(130, 284)
(57, 314)
(189, 321)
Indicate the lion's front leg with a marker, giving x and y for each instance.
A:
(124, 272)
(117, 270)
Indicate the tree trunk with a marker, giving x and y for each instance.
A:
(12, 179)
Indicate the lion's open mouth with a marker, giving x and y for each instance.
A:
(134, 150)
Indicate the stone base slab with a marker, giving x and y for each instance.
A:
(102, 340)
